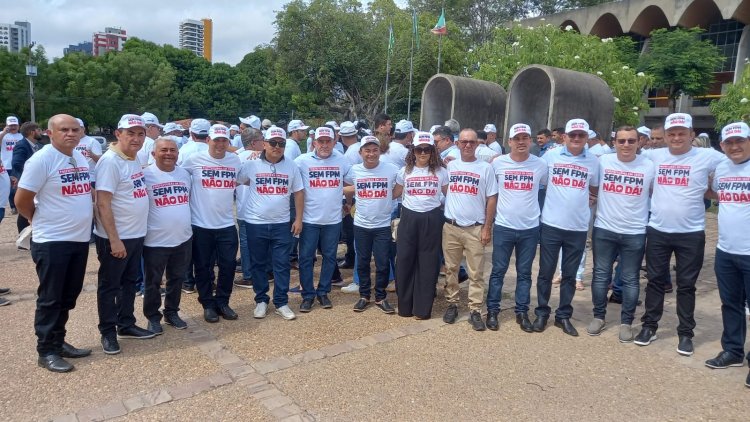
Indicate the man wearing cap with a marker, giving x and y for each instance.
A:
(676, 226)
(23, 150)
(348, 138)
(572, 180)
(444, 141)
(600, 146)
(297, 132)
(732, 262)
(174, 132)
(322, 172)
(519, 175)
(9, 136)
(89, 148)
(198, 139)
(250, 121)
(235, 138)
(469, 213)
(625, 181)
(214, 175)
(265, 124)
(644, 137)
(55, 194)
(121, 204)
(273, 182)
(153, 130)
(167, 246)
(491, 132)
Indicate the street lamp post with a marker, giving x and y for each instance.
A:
(31, 72)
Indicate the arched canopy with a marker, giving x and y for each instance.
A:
(701, 13)
(607, 26)
(650, 18)
(571, 23)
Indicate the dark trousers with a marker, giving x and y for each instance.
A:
(347, 229)
(733, 278)
(224, 243)
(688, 252)
(61, 267)
(419, 240)
(270, 245)
(504, 241)
(572, 244)
(115, 290)
(369, 242)
(158, 260)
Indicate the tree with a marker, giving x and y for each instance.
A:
(734, 106)
(680, 62)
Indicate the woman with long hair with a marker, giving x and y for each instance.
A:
(422, 182)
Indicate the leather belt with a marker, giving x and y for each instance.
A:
(454, 223)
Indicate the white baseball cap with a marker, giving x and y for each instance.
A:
(405, 126)
(433, 128)
(151, 119)
(489, 127)
(172, 126)
(275, 132)
(369, 139)
(131, 120)
(333, 124)
(643, 130)
(735, 130)
(678, 120)
(11, 120)
(218, 131)
(423, 138)
(519, 128)
(347, 129)
(296, 125)
(80, 122)
(200, 126)
(252, 121)
(266, 123)
(592, 134)
(575, 125)
(234, 127)
(324, 131)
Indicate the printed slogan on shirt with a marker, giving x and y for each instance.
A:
(272, 184)
(464, 182)
(734, 190)
(170, 193)
(218, 177)
(623, 182)
(422, 186)
(518, 180)
(673, 175)
(569, 176)
(372, 188)
(75, 181)
(324, 177)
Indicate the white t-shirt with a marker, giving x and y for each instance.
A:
(599, 150)
(352, 153)
(395, 155)
(9, 142)
(681, 181)
(212, 192)
(732, 184)
(496, 147)
(566, 204)
(483, 152)
(373, 191)
(450, 151)
(624, 193)
(269, 188)
(190, 148)
(240, 192)
(124, 179)
(422, 189)
(518, 191)
(4, 186)
(144, 154)
(291, 150)
(64, 207)
(469, 185)
(237, 141)
(169, 207)
(323, 180)
(86, 146)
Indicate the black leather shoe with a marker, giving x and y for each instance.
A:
(227, 313)
(645, 337)
(325, 302)
(540, 323)
(524, 322)
(386, 307)
(685, 346)
(306, 305)
(69, 351)
(451, 314)
(361, 305)
(110, 345)
(55, 363)
(725, 360)
(463, 277)
(343, 265)
(566, 326)
(175, 321)
(615, 299)
(475, 319)
(155, 327)
(210, 315)
(492, 322)
(135, 332)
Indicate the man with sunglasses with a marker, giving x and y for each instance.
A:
(273, 182)
(625, 181)
(572, 183)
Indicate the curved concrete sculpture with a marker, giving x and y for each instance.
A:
(472, 102)
(547, 97)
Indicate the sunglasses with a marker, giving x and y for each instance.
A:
(422, 150)
(630, 141)
(274, 144)
(578, 135)
(464, 143)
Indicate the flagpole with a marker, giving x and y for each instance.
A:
(440, 50)
(411, 70)
(388, 67)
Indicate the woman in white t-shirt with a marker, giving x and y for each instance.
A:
(422, 182)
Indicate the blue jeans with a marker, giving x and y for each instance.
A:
(244, 250)
(271, 242)
(733, 278)
(208, 243)
(327, 236)
(572, 243)
(369, 242)
(504, 240)
(607, 246)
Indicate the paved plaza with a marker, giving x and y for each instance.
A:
(338, 365)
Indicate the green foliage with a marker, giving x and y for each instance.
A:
(517, 47)
(734, 106)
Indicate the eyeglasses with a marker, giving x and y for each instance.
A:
(422, 150)
(465, 142)
(578, 135)
(629, 141)
(274, 144)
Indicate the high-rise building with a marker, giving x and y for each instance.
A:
(14, 37)
(85, 47)
(112, 39)
(196, 36)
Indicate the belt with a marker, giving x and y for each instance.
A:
(454, 223)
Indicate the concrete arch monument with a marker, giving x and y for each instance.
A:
(472, 102)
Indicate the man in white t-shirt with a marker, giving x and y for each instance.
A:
(297, 132)
(519, 175)
(469, 215)
(9, 136)
(274, 181)
(732, 263)
(153, 131)
(573, 178)
(676, 225)
(54, 193)
(600, 147)
(322, 173)
(252, 141)
(235, 140)
(121, 204)
(214, 177)
(348, 135)
(198, 141)
(444, 141)
(625, 181)
(491, 132)
(91, 149)
(174, 131)
(167, 247)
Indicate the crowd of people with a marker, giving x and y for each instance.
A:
(416, 203)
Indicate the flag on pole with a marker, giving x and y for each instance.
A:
(391, 40)
(440, 28)
(415, 27)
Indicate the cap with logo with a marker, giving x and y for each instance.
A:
(678, 120)
(489, 127)
(333, 124)
(324, 131)
(252, 121)
(172, 126)
(347, 129)
(643, 130)
(151, 119)
(218, 131)
(131, 120)
(275, 132)
(735, 130)
(296, 125)
(369, 139)
(423, 138)
(518, 129)
(577, 125)
(405, 126)
(200, 126)
(11, 120)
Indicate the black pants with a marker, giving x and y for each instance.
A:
(347, 229)
(418, 243)
(224, 243)
(115, 291)
(175, 261)
(688, 252)
(61, 267)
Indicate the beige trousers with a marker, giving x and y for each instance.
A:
(457, 243)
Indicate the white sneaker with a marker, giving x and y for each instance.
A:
(286, 313)
(260, 310)
(351, 288)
